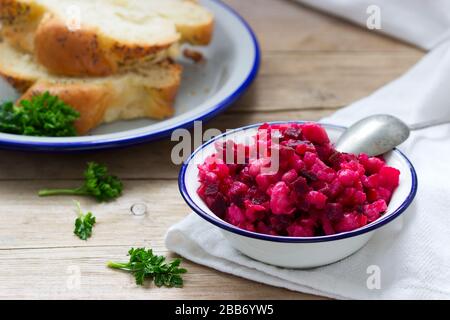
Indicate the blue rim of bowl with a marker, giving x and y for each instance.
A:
(231, 228)
(109, 143)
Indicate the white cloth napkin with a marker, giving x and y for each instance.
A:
(413, 252)
(424, 23)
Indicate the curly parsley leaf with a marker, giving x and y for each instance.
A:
(84, 223)
(98, 184)
(43, 115)
(143, 264)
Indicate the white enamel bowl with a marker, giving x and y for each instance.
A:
(295, 252)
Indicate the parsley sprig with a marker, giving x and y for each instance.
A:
(98, 184)
(84, 223)
(143, 264)
(43, 115)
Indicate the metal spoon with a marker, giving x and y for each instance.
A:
(379, 134)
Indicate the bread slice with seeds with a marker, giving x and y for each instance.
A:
(145, 92)
(102, 37)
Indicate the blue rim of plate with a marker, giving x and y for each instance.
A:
(233, 229)
(109, 143)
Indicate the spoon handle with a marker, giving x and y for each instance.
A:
(427, 124)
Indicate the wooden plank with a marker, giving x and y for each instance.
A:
(291, 81)
(28, 221)
(338, 64)
(49, 274)
(287, 25)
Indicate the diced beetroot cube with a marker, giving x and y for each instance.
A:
(256, 166)
(222, 170)
(363, 159)
(325, 151)
(286, 152)
(334, 211)
(298, 165)
(309, 159)
(300, 186)
(326, 225)
(217, 204)
(373, 181)
(322, 171)
(235, 215)
(371, 164)
(263, 181)
(318, 185)
(372, 195)
(354, 166)
(347, 197)
(326, 174)
(385, 194)
(363, 220)
(335, 160)
(374, 210)
(225, 185)
(296, 230)
(302, 228)
(235, 169)
(293, 133)
(290, 176)
(279, 223)
(350, 221)
(280, 202)
(358, 185)
(310, 177)
(348, 177)
(335, 188)
(248, 226)
(237, 192)
(245, 177)
(211, 189)
(253, 211)
(359, 197)
(261, 227)
(211, 177)
(316, 199)
(315, 133)
(325, 190)
(303, 147)
(374, 165)
(389, 177)
(258, 197)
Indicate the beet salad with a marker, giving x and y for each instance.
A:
(313, 191)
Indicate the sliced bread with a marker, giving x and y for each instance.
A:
(99, 37)
(147, 92)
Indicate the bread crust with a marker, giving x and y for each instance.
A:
(163, 101)
(88, 52)
(95, 102)
(19, 21)
(90, 100)
(106, 100)
(84, 52)
(20, 36)
(71, 53)
(12, 11)
(197, 35)
(19, 83)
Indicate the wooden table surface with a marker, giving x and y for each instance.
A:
(312, 64)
